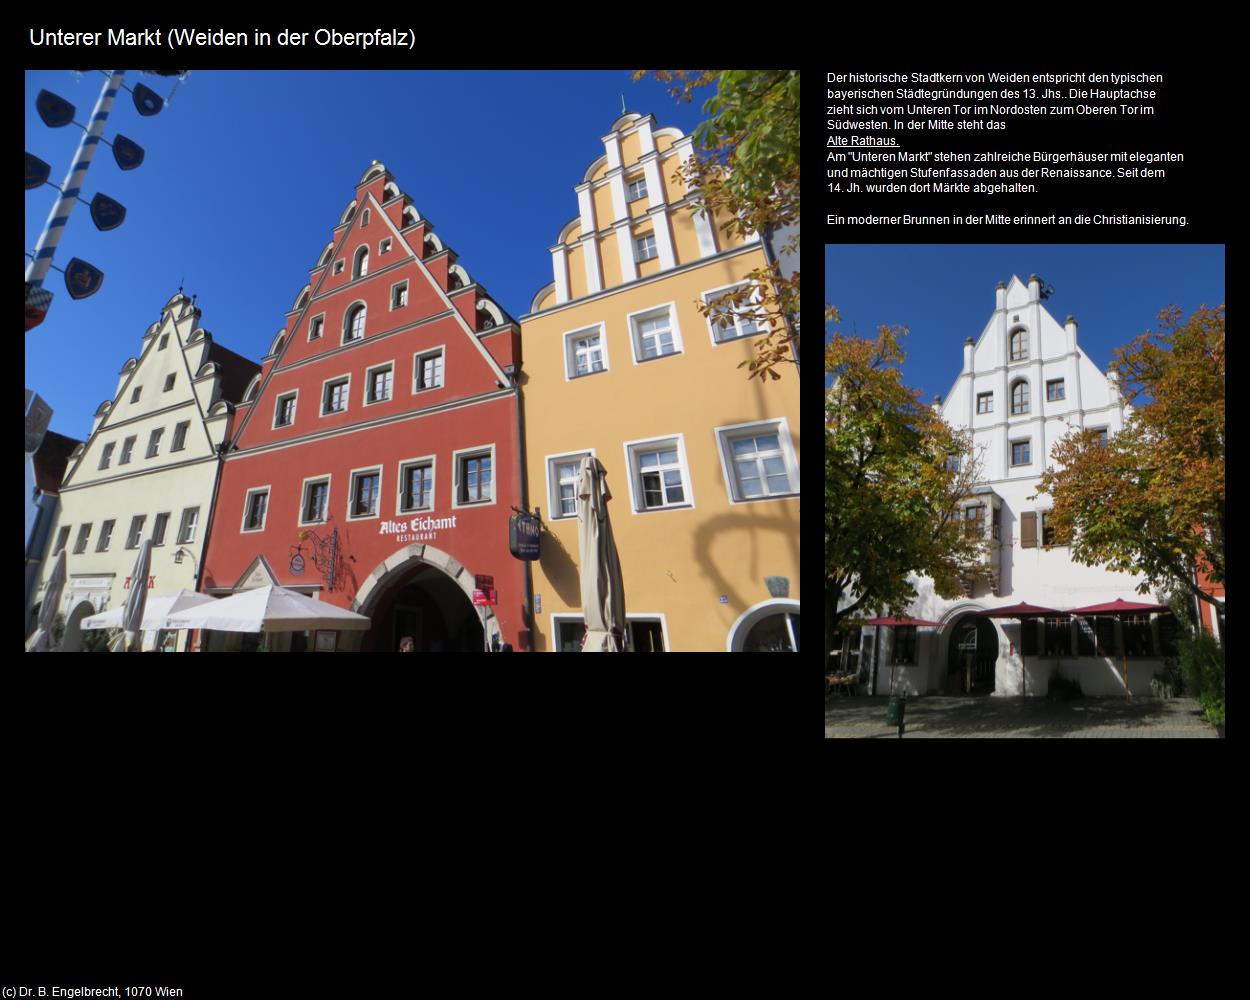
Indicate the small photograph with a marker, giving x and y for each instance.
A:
(1024, 491)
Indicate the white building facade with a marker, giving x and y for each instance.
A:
(1025, 384)
(147, 470)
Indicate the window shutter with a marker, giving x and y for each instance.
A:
(1028, 530)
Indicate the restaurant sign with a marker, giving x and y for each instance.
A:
(417, 529)
(523, 536)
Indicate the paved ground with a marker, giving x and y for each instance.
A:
(937, 716)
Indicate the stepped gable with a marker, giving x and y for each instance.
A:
(381, 242)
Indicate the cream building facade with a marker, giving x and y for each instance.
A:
(148, 469)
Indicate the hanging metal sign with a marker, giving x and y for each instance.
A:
(523, 536)
(55, 111)
(36, 171)
(147, 101)
(127, 154)
(297, 564)
(81, 279)
(106, 213)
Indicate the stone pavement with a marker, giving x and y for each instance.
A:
(936, 716)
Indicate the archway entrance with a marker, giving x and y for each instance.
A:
(971, 656)
(427, 590)
(426, 604)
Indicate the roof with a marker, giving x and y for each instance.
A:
(51, 460)
(237, 371)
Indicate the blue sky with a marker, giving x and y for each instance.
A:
(944, 294)
(246, 173)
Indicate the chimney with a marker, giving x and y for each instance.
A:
(1113, 380)
(968, 355)
(1035, 288)
(1000, 296)
(1069, 326)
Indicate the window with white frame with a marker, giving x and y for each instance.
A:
(562, 479)
(107, 455)
(985, 402)
(585, 352)
(384, 246)
(180, 436)
(364, 218)
(62, 537)
(284, 412)
(360, 263)
(654, 333)
(474, 473)
(659, 476)
(164, 342)
(169, 382)
(365, 488)
(159, 527)
(399, 295)
(758, 460)
(136, 530)
(416, 484)
(254, 508)
(316, 327)
(645, 246)
(315, 501)
(338, 267)
(84, 535)
(134, 396)
(727, 322)
(637, 188)
(128, 446)
(378, 383)
(186, 530)
(354, 324)
(428, 370)
(334, 395)
(106, 535)
(154, 442)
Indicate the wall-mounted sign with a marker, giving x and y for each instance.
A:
(485, 596)
(417, 529)
(483, 582)
(724, 598)
(297, 564)
(81, 279)
(524, 532)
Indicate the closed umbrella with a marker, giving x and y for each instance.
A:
(268, 609)
(41, 641)
(603, 591)
(131, 639)
(1023, 612)
(1119, 608)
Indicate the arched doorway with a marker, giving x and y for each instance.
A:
(971, 655)
(770, 626)
(424, 593)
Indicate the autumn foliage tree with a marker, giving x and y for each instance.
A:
(1152, 501)
(892, 490)
(745, 170)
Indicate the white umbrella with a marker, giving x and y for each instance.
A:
(132, 613)
(158, 608)
(268, 609)
(41, 641)
(603, 593)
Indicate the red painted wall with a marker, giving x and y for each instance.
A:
(437, 421)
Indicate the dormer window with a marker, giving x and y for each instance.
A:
(1019, 345)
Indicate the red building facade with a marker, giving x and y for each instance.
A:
(376, 461)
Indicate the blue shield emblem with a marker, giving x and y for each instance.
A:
(36, 171)
(54, 111)
(146, 101)
(106, 213)
(81, 279)
(127, 154)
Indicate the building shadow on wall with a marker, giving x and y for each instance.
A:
(561, 569)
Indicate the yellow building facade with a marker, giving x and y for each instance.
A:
(702, 463)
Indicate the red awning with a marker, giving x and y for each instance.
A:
(1023, 610)
(1119, 606)
(900, 621)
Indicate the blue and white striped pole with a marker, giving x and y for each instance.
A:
(37, 270)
